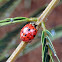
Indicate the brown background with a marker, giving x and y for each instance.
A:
(54, 19)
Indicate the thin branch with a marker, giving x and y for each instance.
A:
(20, 47)
(47, 11)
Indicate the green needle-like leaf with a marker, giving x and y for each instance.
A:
(52, 48)
(16, 20)
(48, 33)
(43, 47)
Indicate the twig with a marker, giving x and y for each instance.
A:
(20, 47)
(16, 20)
(47, 11)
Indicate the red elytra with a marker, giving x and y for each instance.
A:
(28, 32)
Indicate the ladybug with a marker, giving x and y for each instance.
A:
(28, 32)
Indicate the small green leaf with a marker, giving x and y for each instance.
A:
(51, 49)
(48, 32)
(49, 40)
(42, 41)
(50, 53)
(45, 52)
(42, 37)
(20, 18)
(14, 19)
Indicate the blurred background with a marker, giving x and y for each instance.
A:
(9, 34)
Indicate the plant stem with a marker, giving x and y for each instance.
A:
(16, 20)
(47, 11)
(20, 47)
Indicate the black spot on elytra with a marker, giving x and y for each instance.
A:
(29, 39)
(33, 35)
(28, 29)
(35, 30)
(25, 34)
(22, 31)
